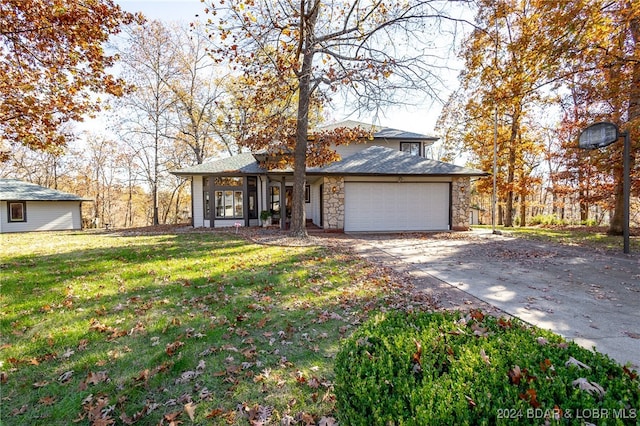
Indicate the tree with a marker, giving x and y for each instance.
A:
(196, 88)
(603, 66)
(52, 64)
(174, 107)
(376, 51)
(148, 63)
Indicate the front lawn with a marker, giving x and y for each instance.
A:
(202, 328)
(592, 237)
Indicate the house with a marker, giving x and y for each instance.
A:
(29, 207)
(385, 184)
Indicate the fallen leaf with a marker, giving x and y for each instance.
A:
(479, 331)
(573, 361)
(531, 396)
(214, 413)
(190, 409)
(172, 418)
(65, 377)
(19, 411)
(591, 387)
(484, 357)
(477, 315)
(306, 418)
(95, 378)
(47, 400)
(515, 375)
(172, 348)
(327, 421)
(470, 401)
(418, 353)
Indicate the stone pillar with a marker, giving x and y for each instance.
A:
(333, 196)
(460, 203)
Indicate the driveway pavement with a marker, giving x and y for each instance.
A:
(585, 295)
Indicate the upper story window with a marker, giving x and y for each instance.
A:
(17, 211)
(413, 148)
(228, 181)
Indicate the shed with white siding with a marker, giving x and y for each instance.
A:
(26, 207)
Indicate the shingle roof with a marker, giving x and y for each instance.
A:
(375, 160)
(379, 160)
(17, 190)
(380, 132)
(242, 163)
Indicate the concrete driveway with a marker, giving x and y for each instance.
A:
(589, 296)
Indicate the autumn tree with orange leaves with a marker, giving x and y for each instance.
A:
(580, 60)
(53, 65)
(311, 50)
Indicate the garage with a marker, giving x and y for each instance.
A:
(396, 206)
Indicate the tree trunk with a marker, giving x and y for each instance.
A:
(633, 114)
(298, 220)
(511, 166)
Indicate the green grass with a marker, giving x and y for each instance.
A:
(113, 329)
(594, 237)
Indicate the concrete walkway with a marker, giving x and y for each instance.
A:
(589, 296)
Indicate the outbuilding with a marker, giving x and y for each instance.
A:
(26, 207)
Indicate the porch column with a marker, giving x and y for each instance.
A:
(333, 200)
(245, 200)
(283, 203)
(460, 202)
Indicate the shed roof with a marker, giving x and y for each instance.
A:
(17, 190)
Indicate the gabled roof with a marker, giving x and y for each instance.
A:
(17, 190)
(379, 160)
(380, 132)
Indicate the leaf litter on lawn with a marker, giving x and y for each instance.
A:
(201, 327)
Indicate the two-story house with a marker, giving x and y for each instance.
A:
(385, 184)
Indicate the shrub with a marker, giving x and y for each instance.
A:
(546, 219)
(446, 369)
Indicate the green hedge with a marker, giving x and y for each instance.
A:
(448, 369)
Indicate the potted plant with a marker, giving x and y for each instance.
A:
(265, 217)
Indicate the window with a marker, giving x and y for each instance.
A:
(275, 200)
(229, 204)
(412, 148)
(205, 198)
(228, 197)
(17, 211)
(228, 181)
(252, 188)
(307, 194)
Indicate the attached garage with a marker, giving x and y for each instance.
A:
(396, 206)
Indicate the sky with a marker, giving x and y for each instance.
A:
(418, 119)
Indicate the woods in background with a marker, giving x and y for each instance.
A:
(535, 72)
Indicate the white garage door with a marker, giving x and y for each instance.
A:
(385, 206)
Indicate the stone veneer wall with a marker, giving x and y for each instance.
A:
(460, 203)
(333, 214)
